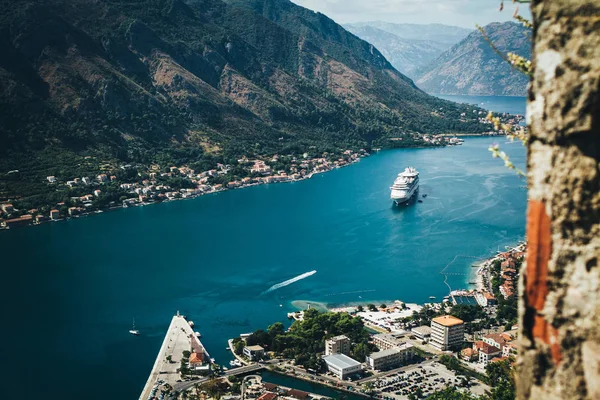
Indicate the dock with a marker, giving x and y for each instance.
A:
(179, 337)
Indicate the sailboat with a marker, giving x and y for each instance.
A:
(134, 331)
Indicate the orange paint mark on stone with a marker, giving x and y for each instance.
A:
(539, 236)
(538, 254)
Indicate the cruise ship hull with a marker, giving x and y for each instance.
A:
(401, 198)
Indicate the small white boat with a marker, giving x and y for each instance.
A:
(235, 363)
(432, 297)
(134, 331)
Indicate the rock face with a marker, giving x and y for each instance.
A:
(559, 354)
(405, 55)
(409, 47)
(472, 67)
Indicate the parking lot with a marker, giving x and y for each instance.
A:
(428, 379)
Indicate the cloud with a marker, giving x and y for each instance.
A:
(466, 13)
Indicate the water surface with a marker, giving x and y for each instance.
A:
(72, 288)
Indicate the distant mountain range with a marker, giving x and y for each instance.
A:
(192, 82)
(409, 46)
(472, 67)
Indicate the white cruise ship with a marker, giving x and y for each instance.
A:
(405, 186)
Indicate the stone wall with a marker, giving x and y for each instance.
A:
(559, 356)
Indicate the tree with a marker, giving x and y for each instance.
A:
(275, 329)
(360, 309)
(383, 305)
(239, 348)
(361, 351)
(371, 307)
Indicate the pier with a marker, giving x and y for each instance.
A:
(179, 338)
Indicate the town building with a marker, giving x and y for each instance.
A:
(254, 352)
(496, 339)
(297, 394)
(386, 341)
(390, 358)
(341, 365)
(51, 179)
(421, 332)
(268, 396)
(337, 345)
(18, 222)
(86, 180)
(447, 332)
(469, 354)
(8, 208)
(488, 353)
(102, 178)
(197, 362)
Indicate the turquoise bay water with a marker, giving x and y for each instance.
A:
(509, 104)
(71, 288)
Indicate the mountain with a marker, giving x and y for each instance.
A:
(445, 34)
(472, 67)
(191, 82)
(405, 55)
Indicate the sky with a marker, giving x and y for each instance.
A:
(465, 13)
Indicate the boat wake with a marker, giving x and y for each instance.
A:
(289, 281)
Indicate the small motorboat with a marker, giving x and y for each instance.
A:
(420, 201)
(134, 331)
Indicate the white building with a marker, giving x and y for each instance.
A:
(447, 332)
(342, 365)
(337, 345)
(421, 332)
(488, 353)
(385, 341)
(390, 358)
(254, 352)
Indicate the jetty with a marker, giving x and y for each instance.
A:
(180, 337)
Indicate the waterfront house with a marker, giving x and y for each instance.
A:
(297, 394)
(8, 208)
(254, 352)
(54, 215)
(18, 222)
(342, 366)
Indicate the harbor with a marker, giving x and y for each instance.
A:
(165, 374)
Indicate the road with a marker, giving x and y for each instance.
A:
(182, 386)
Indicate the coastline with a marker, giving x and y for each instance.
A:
(190, 197)
(33, 221)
